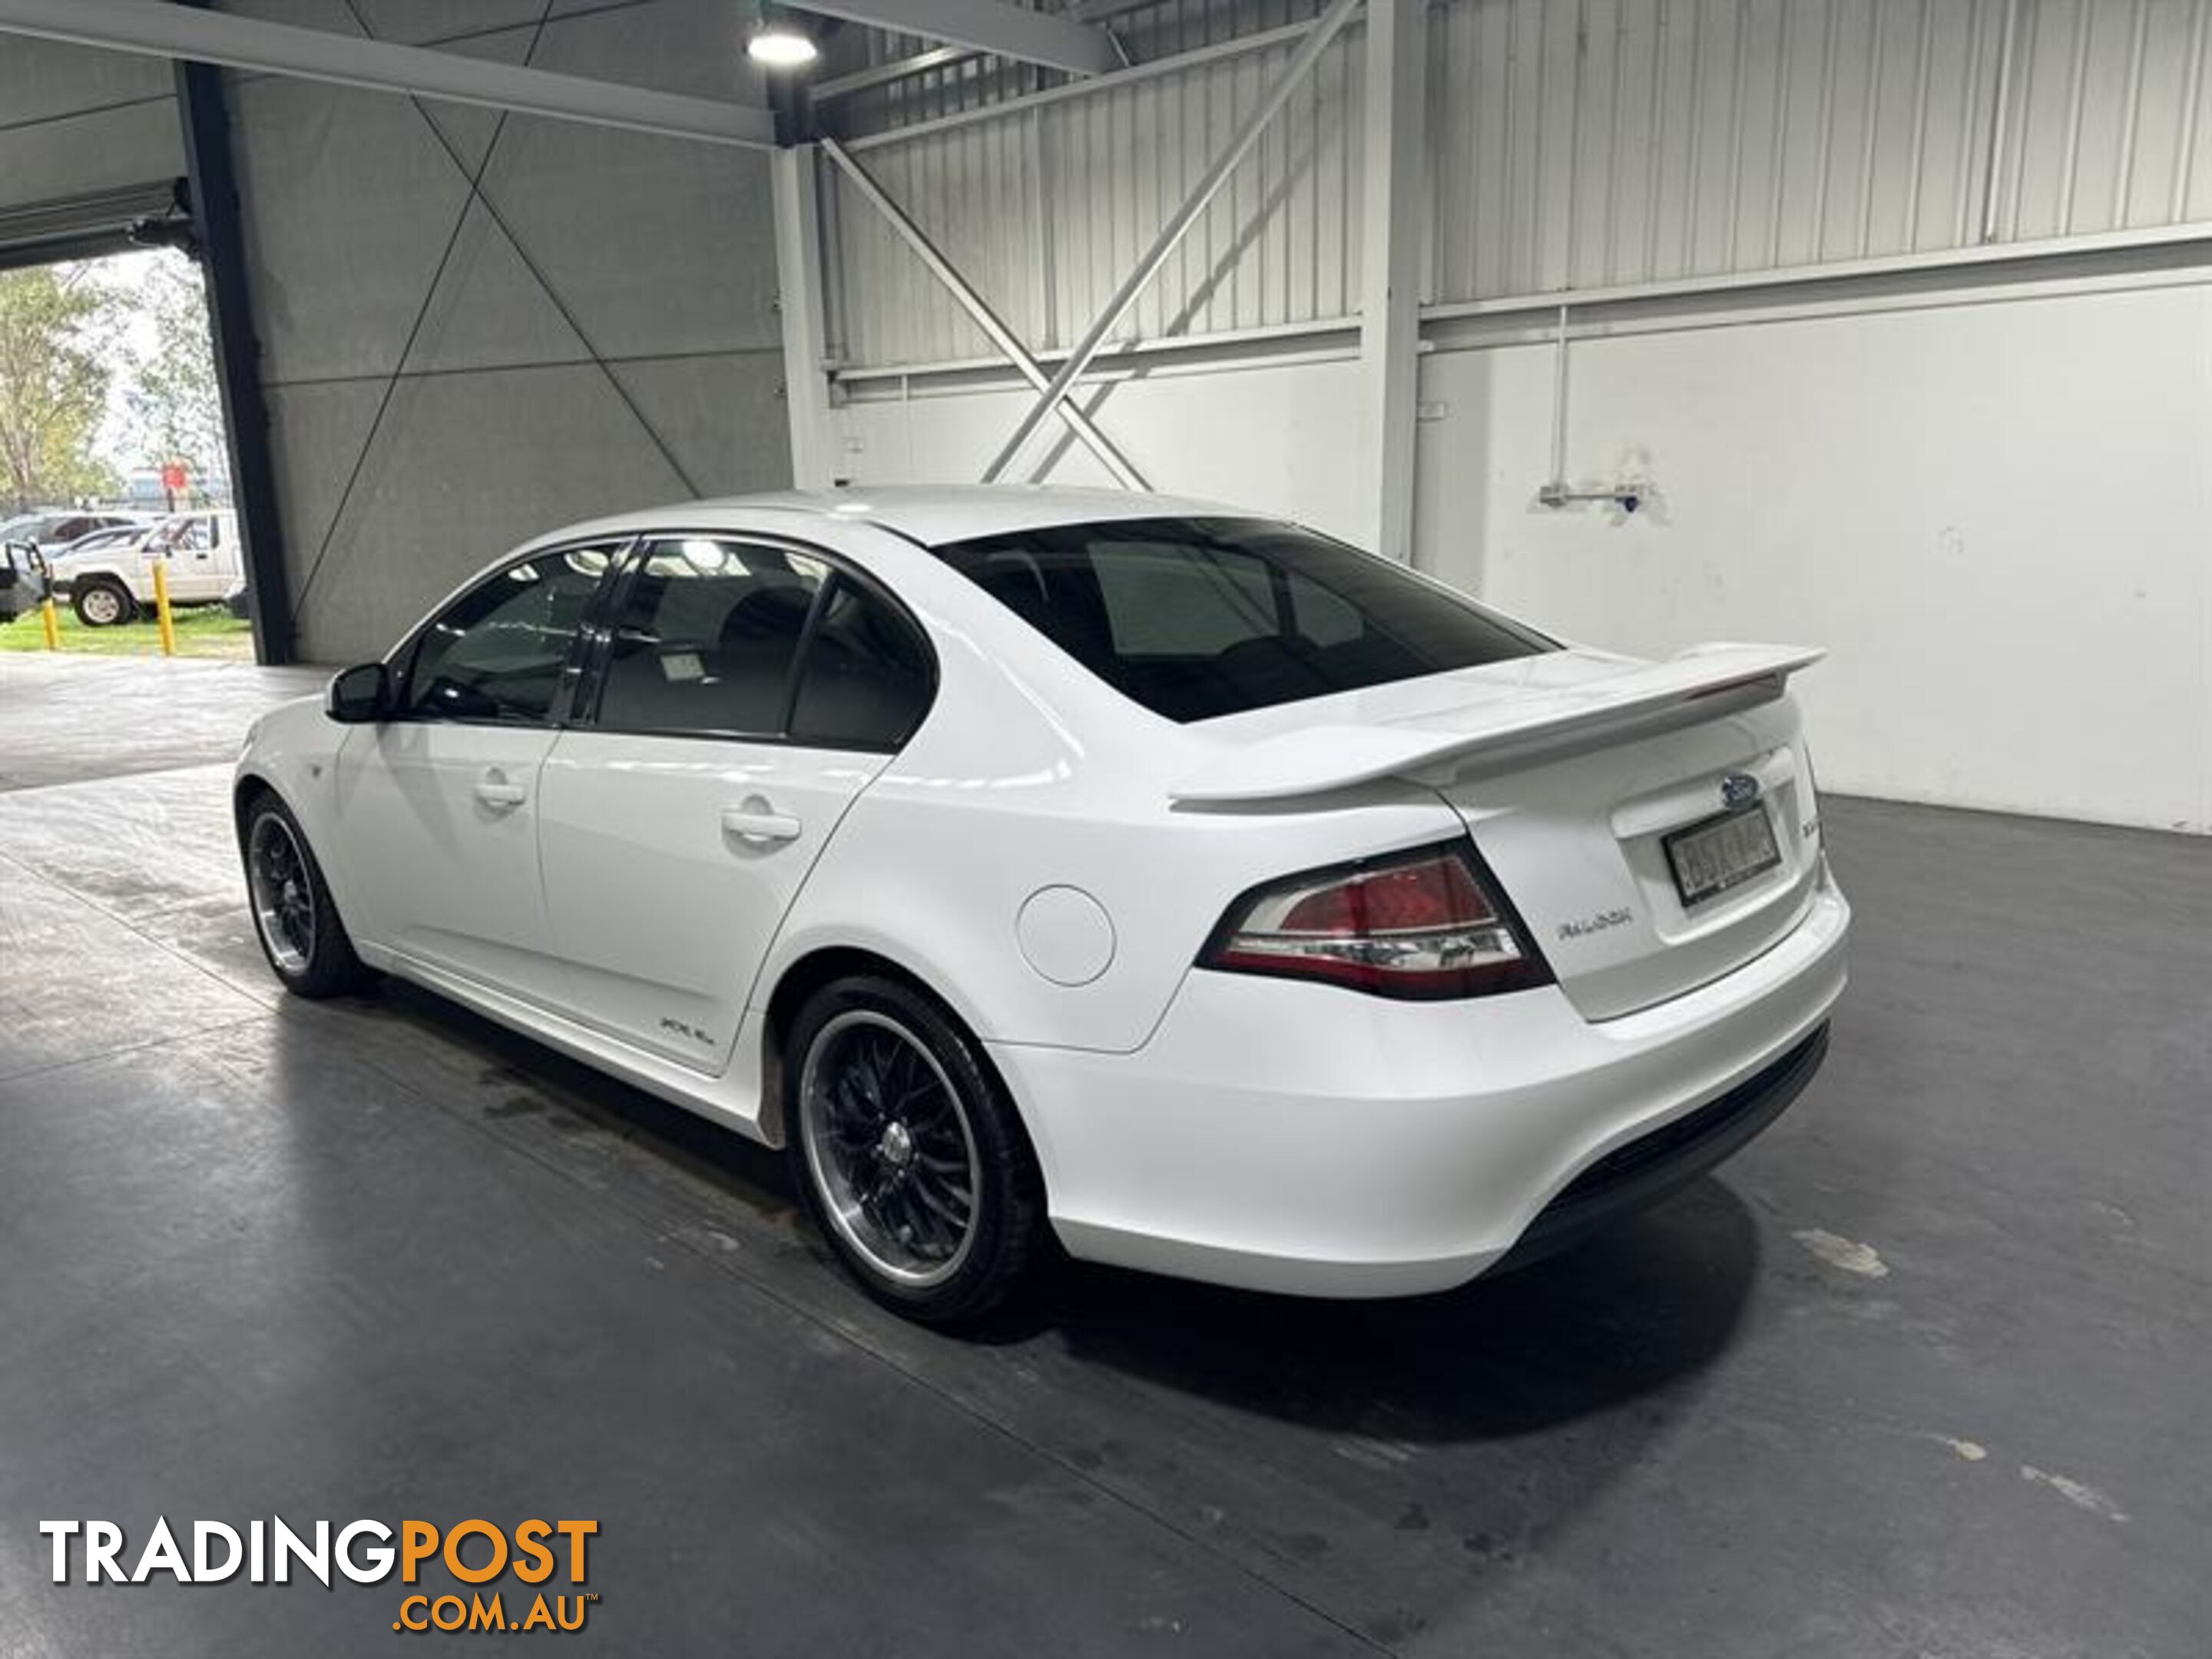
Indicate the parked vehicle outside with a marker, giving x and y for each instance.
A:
(113, 536)
(110, 584)
(22, 579)
(1177, 883)
(55, 528)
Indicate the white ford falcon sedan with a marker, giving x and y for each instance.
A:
(1173, 882)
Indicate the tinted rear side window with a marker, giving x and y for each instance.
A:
(867, 678)
(706, 637)
(1199, 617)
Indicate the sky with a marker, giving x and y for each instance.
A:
(128, 273)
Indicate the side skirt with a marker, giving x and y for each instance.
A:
(733, 1099)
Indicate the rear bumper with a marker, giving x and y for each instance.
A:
(1297, 1138)
(1656, 1166)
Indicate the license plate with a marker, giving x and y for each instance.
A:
(1709, 859)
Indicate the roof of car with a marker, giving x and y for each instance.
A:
(930, 514)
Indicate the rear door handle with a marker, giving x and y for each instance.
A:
(496, 793)
(758, 822)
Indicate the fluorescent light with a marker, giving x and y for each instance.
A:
(779, 45)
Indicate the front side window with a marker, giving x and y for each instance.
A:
(1195, 618)
(707, 635)
(498, 652)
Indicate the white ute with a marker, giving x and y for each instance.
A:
(1217, 898)
(112, 584)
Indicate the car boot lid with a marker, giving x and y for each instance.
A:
(1556, 703)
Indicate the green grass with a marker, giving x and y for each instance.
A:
(201, 631)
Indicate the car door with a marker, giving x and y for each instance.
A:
(439, 803)
(195, 575)
(747, 693)
(229, 566)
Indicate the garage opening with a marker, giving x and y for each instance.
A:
(115, 474)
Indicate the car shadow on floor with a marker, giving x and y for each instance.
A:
(1637, 1311)
(1632, 1311)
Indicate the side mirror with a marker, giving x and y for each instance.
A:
(359, 696)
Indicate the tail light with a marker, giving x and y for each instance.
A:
(1423, 926)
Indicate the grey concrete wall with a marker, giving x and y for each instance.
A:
(72, 120)
(448, 371)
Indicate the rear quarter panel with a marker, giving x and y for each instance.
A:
(1029, 773)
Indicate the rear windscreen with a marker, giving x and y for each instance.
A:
(1199, 618)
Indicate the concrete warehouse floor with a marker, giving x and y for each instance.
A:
(1922, 1372)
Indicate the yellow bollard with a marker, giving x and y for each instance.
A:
(161, 616)
(52, 622)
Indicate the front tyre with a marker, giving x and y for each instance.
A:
(100, 603)
(912, 1158)
(294, 916)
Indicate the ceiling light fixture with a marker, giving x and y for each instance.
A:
(777, 43)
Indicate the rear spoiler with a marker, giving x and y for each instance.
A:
(1324, 758)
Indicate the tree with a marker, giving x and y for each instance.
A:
(55, 328)
(174, 407)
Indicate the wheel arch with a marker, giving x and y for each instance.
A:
(823, 965)
(86, 582)
(244, 788)
(254, 780)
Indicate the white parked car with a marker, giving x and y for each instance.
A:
(1218, 899)
(111, 581)
(54, 529)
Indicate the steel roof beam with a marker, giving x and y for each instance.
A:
(1034, 37)
(902, 68)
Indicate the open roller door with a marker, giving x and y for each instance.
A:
(90, 226)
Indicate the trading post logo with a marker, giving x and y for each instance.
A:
(478, 1553)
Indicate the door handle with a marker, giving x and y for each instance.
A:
(755, 821)
(496, 793)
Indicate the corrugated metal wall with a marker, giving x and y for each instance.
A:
(1574, 144)
(1692, 138)
(1696, 138)
(2110, 126)
(1046, 209)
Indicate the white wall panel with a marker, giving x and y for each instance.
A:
(1996, 517)
(1270, 437)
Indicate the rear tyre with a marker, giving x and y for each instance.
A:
(294, 916)
(911, 1156)
(100, 603)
